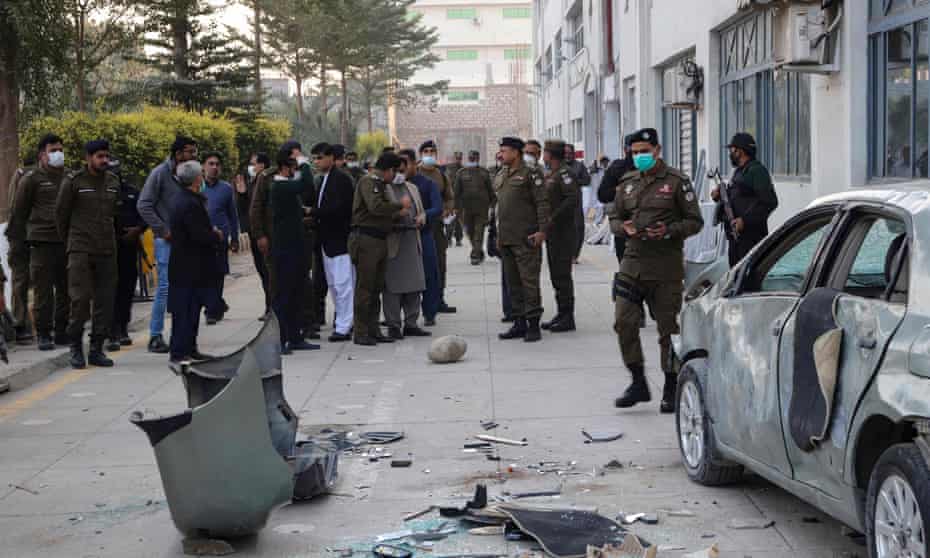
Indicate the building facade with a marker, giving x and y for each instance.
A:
(856, 116)
(485, 53)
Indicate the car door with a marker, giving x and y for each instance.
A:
(743, 389)
(864, 266)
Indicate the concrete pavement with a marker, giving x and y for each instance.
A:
(89, 485)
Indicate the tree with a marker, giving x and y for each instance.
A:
(97, 29)
(31, 55)
(201, 64)
(293, 42)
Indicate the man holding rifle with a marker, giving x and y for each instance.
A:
(744, 205)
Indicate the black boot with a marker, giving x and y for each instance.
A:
(45, 342)
(638, 392)
(113, 344)
(124, 339)
(555, 319)
(532, 331)
(565, 323)
(669, 391)
(97, 357)
(77, 355)
(516, 331)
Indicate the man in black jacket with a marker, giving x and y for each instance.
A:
(129, 228)
(607, 191)
(332, 215)
(194, 263)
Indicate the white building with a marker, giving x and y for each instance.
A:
(854, 121)
(485, 52)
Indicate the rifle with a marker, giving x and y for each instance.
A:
(725, 198)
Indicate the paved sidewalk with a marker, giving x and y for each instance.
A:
(90, 486)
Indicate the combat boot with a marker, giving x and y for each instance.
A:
(45, 342)
(77, 355)
(638, 392)
(516, 331)
(565, 323)
(669, 391)
(555, 319)
(532, 331)
(97, 357)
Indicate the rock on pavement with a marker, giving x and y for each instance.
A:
(450, 348)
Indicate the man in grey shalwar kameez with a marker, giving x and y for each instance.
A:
(405, 280)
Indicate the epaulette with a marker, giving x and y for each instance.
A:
(629, 175)
(675, 172)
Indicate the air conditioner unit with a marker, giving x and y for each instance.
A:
(805, 37)
(682, 85)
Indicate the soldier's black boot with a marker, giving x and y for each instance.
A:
(638, 392)
(565, 323)
(516, 331)
(45, 342)
(532, 331)
(669, 391)
(77, 355)
(555, 319)
(96, 356)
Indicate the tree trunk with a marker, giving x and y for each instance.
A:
(344, 117)
(300, 98)
(259, 92)
(81, 21)
(369, 93)
(9, 109)
(179, 30)
(324, 97)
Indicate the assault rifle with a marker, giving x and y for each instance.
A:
(725, 199)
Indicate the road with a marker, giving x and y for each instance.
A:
(90, 487)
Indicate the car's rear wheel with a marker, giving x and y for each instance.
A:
(898, 504)
(695, 438)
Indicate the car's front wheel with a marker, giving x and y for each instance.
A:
(898, 501)
(695, 439)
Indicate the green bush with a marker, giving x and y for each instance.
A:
(140, 140)
(259, 135)
(370, 145)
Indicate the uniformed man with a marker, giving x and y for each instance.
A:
(607, 190)
(523, 219)
(33, 218)
(581, 177)
(752, 198)
(532, 155)
(353, 166)
(560, 235)
(429, 168)
(85, 211)
(452, 170)
(18, 258)
(373, 212)
(129, 228)
(474, 196)
(657, 210)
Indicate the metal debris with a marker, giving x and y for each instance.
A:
(420, 513)
(381, 437)
(712, 552)
(489, 425)
(600, 436)
(750, 523)
(679, 513)
(401, 463)
(505, 441)
(24, 489)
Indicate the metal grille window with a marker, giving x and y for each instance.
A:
(517, 13)
(461, 13)
(547, 69)
(516, 53)
(899, 89)
(462, 96)
(557, 52)
(462, 54)
(772, 106)
(576, 25)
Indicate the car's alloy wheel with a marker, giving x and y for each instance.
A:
(695, 439)
(898, 500)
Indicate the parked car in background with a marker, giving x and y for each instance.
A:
(808, 363)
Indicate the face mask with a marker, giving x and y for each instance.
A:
(352, 164)
(529, 159)
(302, 160)
(56, 159)
(644, 161)
(296, 176)
(251, 171)
(470, 164)
(429, 161)
(399, 179)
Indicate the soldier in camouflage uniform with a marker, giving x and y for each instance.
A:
(656, 209)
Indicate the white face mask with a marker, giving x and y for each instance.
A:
(529, 159)
(296, 176)
(429, 160)
(251, 171)
(399, 179)
(352, 164)
(56, 159)
(302, 160)
(471, 164)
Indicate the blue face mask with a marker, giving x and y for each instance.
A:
(644, 161)
(429, 160)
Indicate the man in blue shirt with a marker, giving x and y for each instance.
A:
(221, 205)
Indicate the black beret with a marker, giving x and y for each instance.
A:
(515, 143)
(94, 146)
(427, 144)
(646, 134)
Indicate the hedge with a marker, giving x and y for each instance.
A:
(141, 140)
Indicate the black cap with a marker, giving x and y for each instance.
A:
(744, 141)
(427, 144)
(94, 146)
(556, 148)
(646, 134)
(628, 141)
(474, 153)
(515, 143)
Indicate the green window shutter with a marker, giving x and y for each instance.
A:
(516, 53)
(517, 13)
(462, 55)
(461, 13)
(462, 96)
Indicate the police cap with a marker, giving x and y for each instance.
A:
(427, 145)
(648, 135)
(744, 141)
(555, 148)
(515, 143)
(628, 141)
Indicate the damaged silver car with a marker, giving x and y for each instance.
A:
(809, 364)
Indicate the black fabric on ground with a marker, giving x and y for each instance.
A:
(566, 533)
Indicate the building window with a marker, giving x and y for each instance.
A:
(576, 26)
(517, 13)
(557, 52)
(577, 130)
(547, 70)
(899, 83)
(462, 54)
(773, 106)
(461, 13)
(461, 96)
(516, 53)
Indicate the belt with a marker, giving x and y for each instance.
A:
(372, 231)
